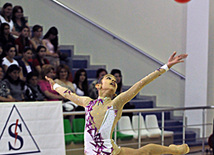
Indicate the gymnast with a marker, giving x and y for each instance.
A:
(102, 114)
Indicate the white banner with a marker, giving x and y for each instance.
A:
(31, 128)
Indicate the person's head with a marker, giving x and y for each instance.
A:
(80, 76)
(107, 82)
(5, 29)
(1, 72)
(10, 51)
(37, 31)
(25, 31)
(101, 72)
(41, 51)
(17, 12)
(27, 53)
(52, 33)
(32, 78)
(13, 72)
(47, 70)
(117, 74)
(62, 72)
(6, 11)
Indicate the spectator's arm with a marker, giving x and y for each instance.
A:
(52, 96)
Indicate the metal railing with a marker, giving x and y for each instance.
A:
(162, 110)
(114, 36)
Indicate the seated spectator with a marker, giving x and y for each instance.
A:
(81, 87)
(10, 51)
(33, 91)
(27, 66)
(51, 42)
(6, 16)
(15, 85)
(5, 36)
(23, 41)
(62, 75)
(51, 95)
(4, 91)
(118, 75)
(36, 37)
(40, 59)
(18, 19)
(92, 90)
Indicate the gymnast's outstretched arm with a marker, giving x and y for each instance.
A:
(126, 96)
(66, 93)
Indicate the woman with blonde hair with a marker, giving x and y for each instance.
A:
(62, 76)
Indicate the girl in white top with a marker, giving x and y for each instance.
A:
(81, 87)
(10, 51)
(6, 16)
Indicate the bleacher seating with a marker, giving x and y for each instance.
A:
(67, 130)
(153, 127)
(135, 121)
(125, 127)
(78, 126)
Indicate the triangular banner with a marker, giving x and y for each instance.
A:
(15, 137)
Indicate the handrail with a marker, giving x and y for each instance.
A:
(116, 37)
(148, 110)
(184, 125)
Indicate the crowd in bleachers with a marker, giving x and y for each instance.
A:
(26, 57)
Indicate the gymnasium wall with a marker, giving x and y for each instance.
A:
(156, 27)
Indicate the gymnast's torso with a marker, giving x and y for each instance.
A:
(101, 118)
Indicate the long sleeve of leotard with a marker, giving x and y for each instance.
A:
(126, 96)
(79, 100)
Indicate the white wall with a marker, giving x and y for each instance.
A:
(210, 96)
(197, 64)
(157, 27)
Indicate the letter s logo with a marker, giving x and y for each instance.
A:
(15, 135)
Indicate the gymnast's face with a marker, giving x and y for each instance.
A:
(109, 83)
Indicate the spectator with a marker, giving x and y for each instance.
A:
(51, 95)
(51, 42)
(4, 91)
(27, 66)
(6, 16)
(5, 35)
(81, 87)
(14, 83)
(93, 93)
(62, 76)
(33, 91)
(118, 76)
(23, 41)
(18, 19)
(36, 37)
(39, 60)
(10, 51)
